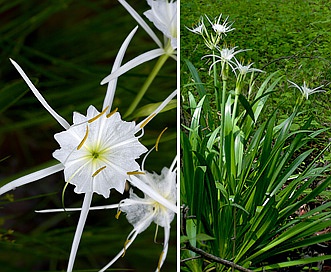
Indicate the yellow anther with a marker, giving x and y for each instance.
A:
(160, 261)
(158, 139)
(97, 116)
(126, 242)
(98, 171)
(118, 214)
(111, 113)
(84, 139)
(135, 173)
(147, 120)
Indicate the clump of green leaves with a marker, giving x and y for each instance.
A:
(245, 175)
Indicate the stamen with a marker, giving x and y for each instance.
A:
(155, 235)
(147, 120)
(84, 139)
(160, 261)
(135, 173)
(111, 113)
(118, 214)
(158, 139)
(99, 115)
(98, 171)
(126, 242)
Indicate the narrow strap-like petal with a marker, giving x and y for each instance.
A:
(41, 99)
(120, 253)
(79, 229)
(31, 178)
(108, 101)
(147, 56)
(158, 109)
(152, 193)
(141, 21)
(105, 207)
(165, 247)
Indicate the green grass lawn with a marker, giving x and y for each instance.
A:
(293, 37)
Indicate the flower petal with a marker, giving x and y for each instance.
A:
(31, 177)
(79, 230)
(120, 254)
(141, 21)
(163, 15)
(41, 99)
(165, 246)
(147, 56)
(108, 101)
(152, 193)
(158, 109)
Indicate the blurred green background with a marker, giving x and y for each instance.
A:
(66, 48)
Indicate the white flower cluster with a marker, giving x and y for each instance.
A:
(98, 151)
(213, 32)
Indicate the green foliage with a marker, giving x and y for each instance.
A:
(290, 37)
(248, 168)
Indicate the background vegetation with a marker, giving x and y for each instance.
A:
(67, 47)
(292, 37)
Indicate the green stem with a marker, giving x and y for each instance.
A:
(224, 79)
(236, 97)
(234, 234)
(146, 84)
(215, 84)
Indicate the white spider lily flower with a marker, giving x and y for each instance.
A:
(244, 69)
(305, 90)
(141, 212)
(226, 57)
(164, 16)
(221, 29)
(198, 29)
(97, 152)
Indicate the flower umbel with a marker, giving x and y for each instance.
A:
(226, 58)
(305, 90)
(213, 37)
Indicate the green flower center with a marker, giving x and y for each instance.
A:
(95, 155)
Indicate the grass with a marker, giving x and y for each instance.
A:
(290, 36)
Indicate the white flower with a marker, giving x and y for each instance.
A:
(305, 90)
(226, 56)
(245, 69)
(163, 15)
(97, 151)
(221, 29)
(197, 29)
(141, 212)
